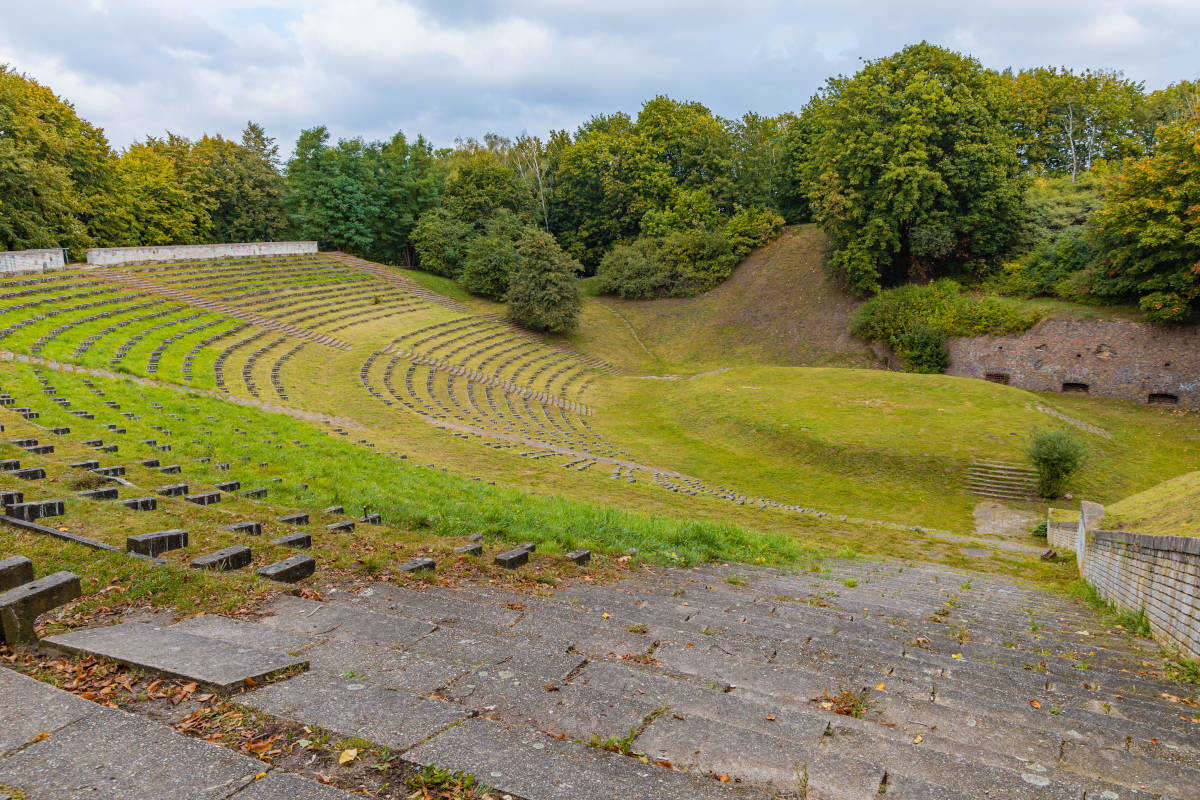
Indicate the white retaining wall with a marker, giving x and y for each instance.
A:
(31, 260)
(1157, 575)
(109, 256)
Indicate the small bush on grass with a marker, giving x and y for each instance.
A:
(1041, 530)
(1056, 455)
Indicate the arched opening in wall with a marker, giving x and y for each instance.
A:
(996, 377)
(1164, 398)
(1082, 388)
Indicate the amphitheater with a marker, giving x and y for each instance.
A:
(234, 414)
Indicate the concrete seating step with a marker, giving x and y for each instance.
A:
(164, 649)
(15, 571)
(153, 544)
(96, 751)
(225, 559)
(21, 605)
(289, 570)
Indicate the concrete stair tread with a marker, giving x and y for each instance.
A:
(212, 662)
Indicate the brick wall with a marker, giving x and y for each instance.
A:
(1159, 575)
(1061, 536)
(109, 256)
(1111, 358)
(14, 261)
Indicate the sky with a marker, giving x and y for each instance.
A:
(451, 68)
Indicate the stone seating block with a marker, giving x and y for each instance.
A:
(225, 559)
(15, 571)
(289, 570)
(9, 464)
(23, 443)
(293, 519)
(204, 498)
(294, 540)
(170, 469)
(40, 450)
(580, 556)
(345, 526)
(21, 606)
(149, 463)
(10, 497)
(89, 465)
(255, 494)
(140, 503)
(371, 519)
(115, 471)
(35, 509)
(60, 431)
(229, 486)
(511, 559)
(472, 549)
(249, 528)
(417, 564)
(106, 493)
(333, 510)
(172, 490)
(151, 544)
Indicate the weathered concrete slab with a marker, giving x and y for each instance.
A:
(111, 754)
(15, 571)
(294, 540)
(152, 544)
(539, 767)
(30, 708)
(245, 633)
(511, 559)
(276, 785)
(472, 549)
(417, 564)
(337, 621)
(21, 606)
(219, 664)
(354, 707)
(225, 559)
(289, 570)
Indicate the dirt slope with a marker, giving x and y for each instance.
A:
(779, 307)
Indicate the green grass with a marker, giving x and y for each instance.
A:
(876, 444)
(1171, 508)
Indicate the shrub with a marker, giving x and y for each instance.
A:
(543, 290)
(633, 271)
(752, 227)
(1048, 269)
(696, 261)
(915, 321)
(1056, 455)
(1165, 307)
(490, 257)
(440, 239)
(1041, 530)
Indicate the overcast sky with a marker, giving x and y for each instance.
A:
(451, 68)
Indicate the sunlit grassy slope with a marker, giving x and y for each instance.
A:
(882, 444)
(1171, 508)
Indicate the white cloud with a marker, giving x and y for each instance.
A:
(450, 68)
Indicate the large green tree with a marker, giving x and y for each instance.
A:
(1148, 231)
(543, 290)
(1065, 121)
(913, 171)
(604, 183)
(57, 172)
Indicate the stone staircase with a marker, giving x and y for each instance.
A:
(728, 682)
(1002, 480)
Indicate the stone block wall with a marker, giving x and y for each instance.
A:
(14, 261)
(1061, 536)
(1158, 575)
(1111, 358)
(111, 256)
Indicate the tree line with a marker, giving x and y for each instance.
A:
(922, 165)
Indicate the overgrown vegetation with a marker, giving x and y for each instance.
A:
(915, 321)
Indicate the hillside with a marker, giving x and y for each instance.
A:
(778, 307)
(1171, 508)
